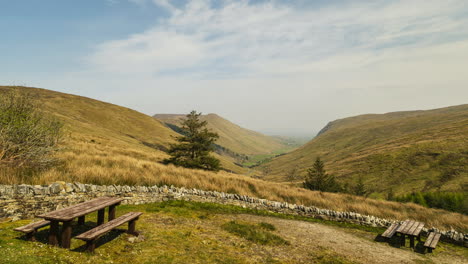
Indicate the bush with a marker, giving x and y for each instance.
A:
(451, 201)
(27, 137)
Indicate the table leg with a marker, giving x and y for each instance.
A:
(100, 220)
(402, 240)
(81, 220)
(411, 239)
(53, 233)
(66, 234)
(111, 212)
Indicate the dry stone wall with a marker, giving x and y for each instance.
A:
(26, 201)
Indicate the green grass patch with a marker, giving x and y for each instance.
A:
(267, 226)
(254, 233)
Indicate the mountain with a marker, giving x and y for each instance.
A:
(96, 128)
(107, 144)
(402, 151)
(233, 139)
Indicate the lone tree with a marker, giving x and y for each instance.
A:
(360, 188)
(28, 138)
(195, 145)
(317, 179)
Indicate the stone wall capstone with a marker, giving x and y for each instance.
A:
(27, 201)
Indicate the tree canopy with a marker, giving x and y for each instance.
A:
(194, 146)
(317, 179)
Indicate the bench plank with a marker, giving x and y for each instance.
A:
(413, 230)
(102, 229)
(32, 226)
(391, 230)
(402, 226)
(432, 240)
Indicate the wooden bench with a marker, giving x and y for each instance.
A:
(431, 241)
(93, 234)
(32, 228)
(391, 230)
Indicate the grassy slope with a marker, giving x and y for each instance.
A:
(403, 150)
(99, 127)
(232, 136)
(104, 154)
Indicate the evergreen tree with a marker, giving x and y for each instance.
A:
(317, 179)
(195, 145)
(360, 188)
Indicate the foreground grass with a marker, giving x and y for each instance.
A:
(189, 232)
(174, 232)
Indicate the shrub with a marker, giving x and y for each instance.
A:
(27, 137)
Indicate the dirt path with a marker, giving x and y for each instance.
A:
(310, 237)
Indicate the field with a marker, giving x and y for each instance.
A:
(182, 232)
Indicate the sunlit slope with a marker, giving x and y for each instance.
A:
(232, 136)
(96, 129)
(406, 151)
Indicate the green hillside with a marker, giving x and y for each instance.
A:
(107, 128)
(234, 139)
(402, 151)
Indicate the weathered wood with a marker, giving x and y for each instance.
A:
(90, 246)
(81, 220)
(432, 240)
(53, 233)
(102, 229)
(132, 227)
(100, 219)
(81, 209)
(111, 213)
(32, 227)
(66, 234)
(391, 230)
(402, 226)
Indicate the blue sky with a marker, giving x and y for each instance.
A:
(284, 67)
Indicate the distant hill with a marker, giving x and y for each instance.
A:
(233, 139)
(402, 151)
(93, 126)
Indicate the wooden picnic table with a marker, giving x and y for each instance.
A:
(67, 215)
(412, 229)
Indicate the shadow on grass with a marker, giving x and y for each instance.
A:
(395, 242)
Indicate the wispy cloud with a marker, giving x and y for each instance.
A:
(240, 37)
(294, 66)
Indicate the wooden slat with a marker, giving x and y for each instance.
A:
(391, 230)
(402, 226)
(409, 227)
(413, 229)
(432, 240)
(418, 230)
(102, 229)
(69, 213)
(32, 226)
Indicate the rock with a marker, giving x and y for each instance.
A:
(68, 188)
(55, 188)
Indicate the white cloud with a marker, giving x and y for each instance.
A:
(285, 62)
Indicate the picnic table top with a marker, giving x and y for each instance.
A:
(410, 227)
(69, 213)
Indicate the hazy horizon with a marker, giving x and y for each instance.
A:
(277, 67)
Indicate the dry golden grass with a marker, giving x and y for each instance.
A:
(105, 162)
(108, 144)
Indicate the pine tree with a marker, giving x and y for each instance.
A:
(360, 188)
(195, 145)
(317, 179)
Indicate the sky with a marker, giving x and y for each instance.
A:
(279, 67)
